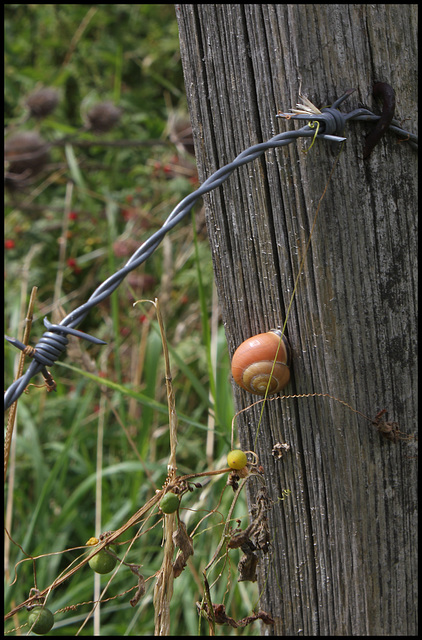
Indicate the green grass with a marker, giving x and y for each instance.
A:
(88, 456)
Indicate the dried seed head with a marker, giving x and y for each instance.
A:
(103, 116)
(180, 132)
(26, 151)
(42, 102)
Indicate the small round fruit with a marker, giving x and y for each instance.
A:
(236, 459)
(169, 503)
(42, 619)
(102, 562)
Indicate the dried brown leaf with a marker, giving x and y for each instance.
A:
(182, 540)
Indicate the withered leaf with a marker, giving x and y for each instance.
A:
(182, 540)
(139, 592)
(221, 617)
(141, 585)
(239, 540)
(261, 615)
(247, 567)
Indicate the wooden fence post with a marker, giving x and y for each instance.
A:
(343, 558)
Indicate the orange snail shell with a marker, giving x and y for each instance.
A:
(253, 361)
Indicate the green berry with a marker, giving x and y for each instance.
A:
(103, 562)
(42, 619)
(236, 459)
(169, 503)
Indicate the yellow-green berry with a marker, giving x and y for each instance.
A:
(236, 459)
(42, 619)
(169, 503)
(103, 562)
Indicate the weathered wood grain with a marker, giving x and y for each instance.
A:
(343, 558)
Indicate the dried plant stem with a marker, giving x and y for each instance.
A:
(170, 398)
(224, 536)
(301, 395)
(133, 520)
(163, 589)
(13, 408)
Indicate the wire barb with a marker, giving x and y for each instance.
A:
(331, 128)
(333, 121)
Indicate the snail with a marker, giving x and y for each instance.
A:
(253, 362)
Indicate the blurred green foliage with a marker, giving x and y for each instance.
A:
(68, 227)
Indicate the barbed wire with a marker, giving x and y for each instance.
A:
(53, 343)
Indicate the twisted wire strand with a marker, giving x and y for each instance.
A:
(53, 342)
